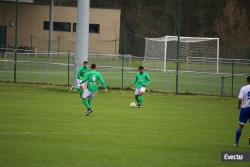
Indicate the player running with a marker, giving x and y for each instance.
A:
(80, 75)
(141, 81)
(244, 106)
(92, 78)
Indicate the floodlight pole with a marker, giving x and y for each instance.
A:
(51, 20)
(82, 34)
(178, 47)
(15, 58)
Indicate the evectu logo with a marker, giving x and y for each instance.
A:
(235, 156)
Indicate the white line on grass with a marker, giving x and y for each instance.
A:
(81, 133)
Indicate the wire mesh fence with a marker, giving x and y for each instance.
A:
(55, 68)
(195, 76)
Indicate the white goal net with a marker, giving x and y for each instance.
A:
(159, 51)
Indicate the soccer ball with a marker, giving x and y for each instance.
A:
(132, 105)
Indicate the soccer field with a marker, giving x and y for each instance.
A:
(189, 83)
(32, 68)
(45, 126)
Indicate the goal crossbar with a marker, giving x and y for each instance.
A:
(166, 47)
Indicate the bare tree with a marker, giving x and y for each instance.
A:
(232, 28)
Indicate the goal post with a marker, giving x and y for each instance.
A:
(218, 57)
(159, 51)
(165, 54)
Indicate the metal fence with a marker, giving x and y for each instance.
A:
(195, 77)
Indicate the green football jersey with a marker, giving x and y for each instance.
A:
(141, 80)
(82, 72)
(93, 77)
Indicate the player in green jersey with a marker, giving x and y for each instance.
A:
(92, 78)
(80, 75)
(141, 81)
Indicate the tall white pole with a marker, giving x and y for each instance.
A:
(165, 54)
(82, 33)
(218, 58)
(51, 20)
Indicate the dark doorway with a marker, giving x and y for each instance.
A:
(3, 30)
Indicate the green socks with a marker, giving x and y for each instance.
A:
(90, 103)
(81, 93)
(140, 99)
(136, 98)
(86, 103)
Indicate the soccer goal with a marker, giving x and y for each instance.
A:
(159, 51)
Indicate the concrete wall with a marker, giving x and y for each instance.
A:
(31, 32)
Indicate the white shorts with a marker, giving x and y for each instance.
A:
(88, 94)
(140, 90)
(78, 81)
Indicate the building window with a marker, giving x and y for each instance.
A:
(58, 26)
(93, 28)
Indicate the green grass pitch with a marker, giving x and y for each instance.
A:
(31, 68)
(45, 126)
(163, 82)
